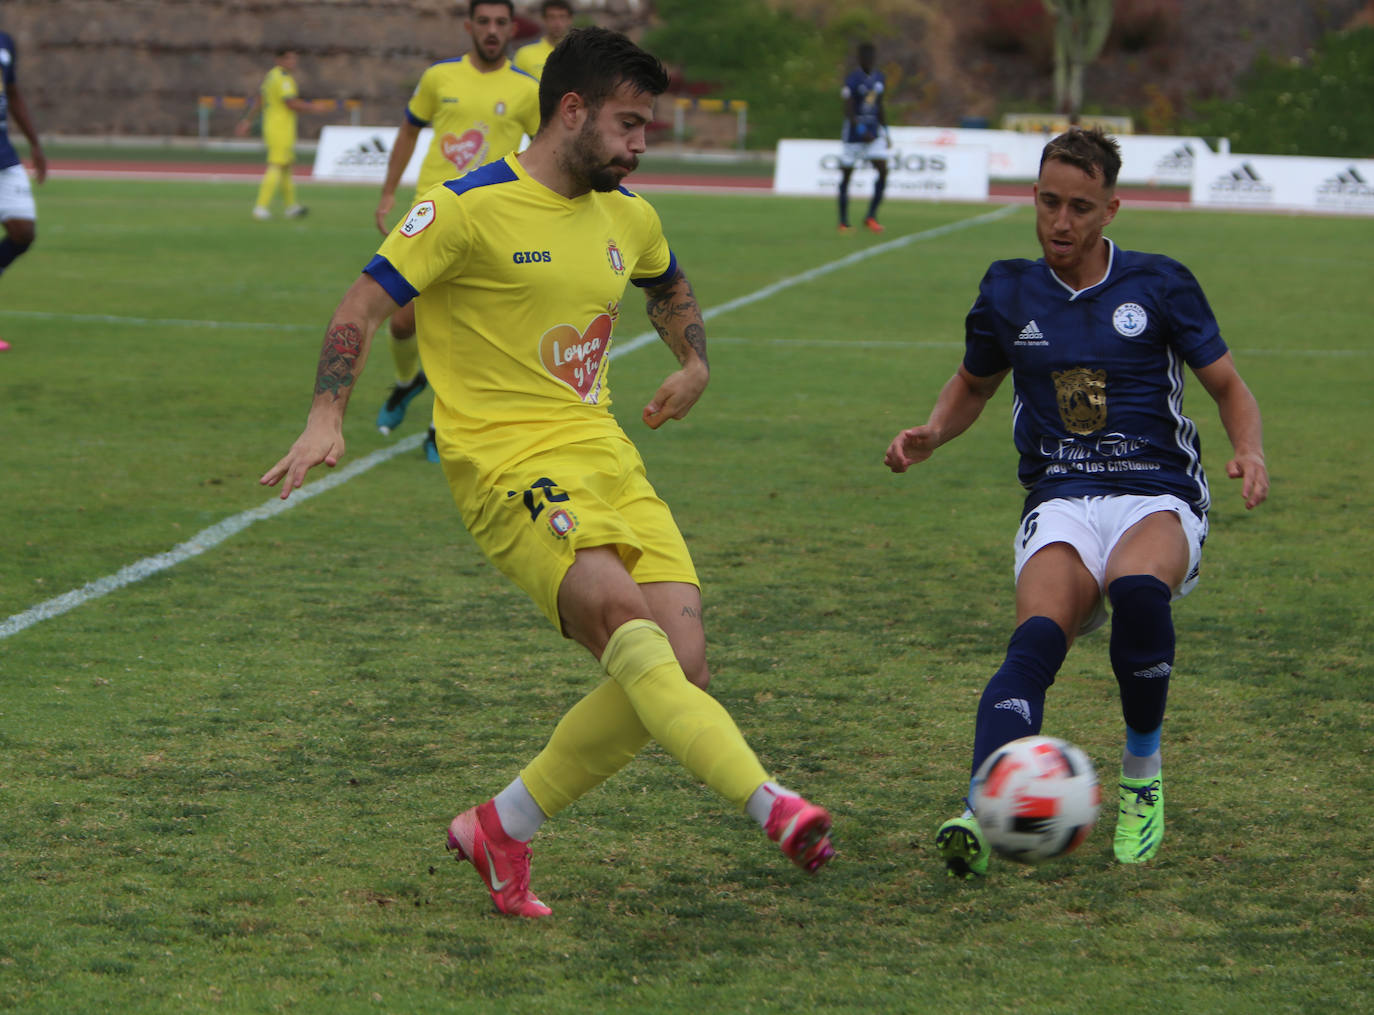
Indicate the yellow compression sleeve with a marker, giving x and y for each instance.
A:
(595, 739)
(270, 181)
(690, 724)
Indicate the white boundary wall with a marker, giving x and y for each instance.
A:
(915, 171)
(361, 153)
(1285, 183)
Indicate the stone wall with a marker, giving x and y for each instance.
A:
(138, 67)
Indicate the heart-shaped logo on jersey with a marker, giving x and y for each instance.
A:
(464, 152)
(575, 358)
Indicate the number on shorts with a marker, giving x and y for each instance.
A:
(547, 490)
(1029, 527)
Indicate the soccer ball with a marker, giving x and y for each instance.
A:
(1036, 798)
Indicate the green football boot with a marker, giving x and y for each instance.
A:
(963, 847)
(1140, 819)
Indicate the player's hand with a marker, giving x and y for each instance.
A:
(241, 128)
(315, 445)
(676, 395)
(384, 206)
(1254, 477)
(910, 447)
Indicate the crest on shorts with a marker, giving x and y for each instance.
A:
(613, 255)
(419, 219)
(562, 522)
(1082, 397)
(1130, 319)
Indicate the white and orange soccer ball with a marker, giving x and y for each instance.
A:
(1036, 798)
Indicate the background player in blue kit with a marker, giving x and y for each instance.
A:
(17, 210)
(1095, 338)
(865, 133)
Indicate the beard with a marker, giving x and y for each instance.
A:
(590, 164)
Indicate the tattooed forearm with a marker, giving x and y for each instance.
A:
(675, 315)
(338, 359)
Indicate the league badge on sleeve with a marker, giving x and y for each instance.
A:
(419, 219)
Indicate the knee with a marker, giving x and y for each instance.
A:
(402, 329)
(695, 668)
(22, 232)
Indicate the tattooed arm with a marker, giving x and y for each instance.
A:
(364, 307)
(675, 315)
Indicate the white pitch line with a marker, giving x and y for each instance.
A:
(219, 532)
(148, 322)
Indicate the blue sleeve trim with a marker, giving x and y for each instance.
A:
(384, 273)
(483, 176)
(415, 120)
(649, 283)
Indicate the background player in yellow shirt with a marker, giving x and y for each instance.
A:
(479, 107)
(558, 19)
(280, 100)
(518, 271)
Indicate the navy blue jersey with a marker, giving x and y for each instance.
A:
(8, 156)
(864, 92)
(1098, 374)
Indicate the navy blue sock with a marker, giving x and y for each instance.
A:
(9, 250)
(1013, 703)
(1142, 654)
(844, 196)
(879, 186)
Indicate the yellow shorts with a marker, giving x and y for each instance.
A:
(281, 145)
(532, 520)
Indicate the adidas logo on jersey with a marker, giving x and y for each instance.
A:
(1031, 335)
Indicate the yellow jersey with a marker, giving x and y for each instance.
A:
(278, 119)
(476, 116)
(519, 290)
(531, 58)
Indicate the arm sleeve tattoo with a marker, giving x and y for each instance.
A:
(675, 315)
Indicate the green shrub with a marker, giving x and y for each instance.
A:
(1320, 106)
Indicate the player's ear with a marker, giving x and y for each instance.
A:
(572, 110)
(1112, 206)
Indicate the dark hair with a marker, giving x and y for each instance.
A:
(867, 49)
(1090, 150)
(594, 62)
(562, 5)
(507, 4)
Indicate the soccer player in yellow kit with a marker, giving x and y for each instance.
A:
(517, 272)
(557, 16)
(280, 100)
(479, 107)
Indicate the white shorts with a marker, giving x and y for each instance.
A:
(1093, 526)
(16, 196)
(852, 152)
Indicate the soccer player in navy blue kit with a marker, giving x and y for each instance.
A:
(17, 210)
(865, 134)
(1095, 338)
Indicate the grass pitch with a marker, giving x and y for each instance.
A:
(224, 786)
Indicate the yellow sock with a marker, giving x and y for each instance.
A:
(270, 180)
(288, 187)
(596, 738)
(690, 724)
(405, 354)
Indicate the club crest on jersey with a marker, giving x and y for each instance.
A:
(419, 219)
(1082, 397)
(562, 522)
(1130, 319)
(613, 255)
(500, 109)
